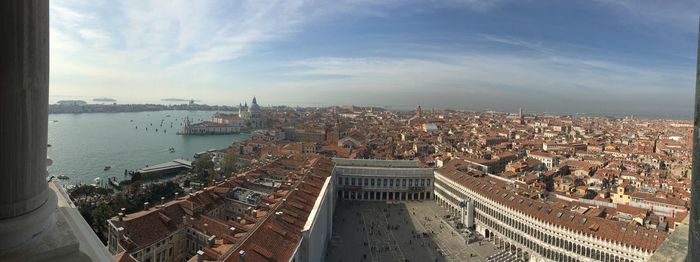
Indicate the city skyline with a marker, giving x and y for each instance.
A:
(597, 57)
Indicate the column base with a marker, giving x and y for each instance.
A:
(57, 244)
(49, 240)
(24, 230)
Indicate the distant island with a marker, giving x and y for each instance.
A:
(79, 106)
(177, 100)
(104, 99)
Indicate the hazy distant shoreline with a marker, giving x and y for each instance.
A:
(124, 108)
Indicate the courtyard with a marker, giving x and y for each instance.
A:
(399, 231)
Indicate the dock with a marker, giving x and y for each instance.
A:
(167, 168)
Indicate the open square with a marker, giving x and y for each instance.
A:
(399, 231)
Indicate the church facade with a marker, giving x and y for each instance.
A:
(252, 115)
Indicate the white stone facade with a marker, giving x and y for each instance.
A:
(529, 237)
(382, 182)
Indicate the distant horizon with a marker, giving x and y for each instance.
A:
(400, 108)
(624, 56)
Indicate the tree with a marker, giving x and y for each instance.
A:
(82, 192)
(134, 188)
(203, 163)
(166, 190)
(100, 214)
(228, 164)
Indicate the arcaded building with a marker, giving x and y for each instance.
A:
(382, 180)
(537, 229)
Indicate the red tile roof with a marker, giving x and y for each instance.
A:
(611, 230)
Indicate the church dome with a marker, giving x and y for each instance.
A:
(254, 108)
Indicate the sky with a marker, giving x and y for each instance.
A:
(634, 57)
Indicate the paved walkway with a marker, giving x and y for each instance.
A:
(399, 231)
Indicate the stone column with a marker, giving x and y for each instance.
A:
(694, 235)
(26, 203)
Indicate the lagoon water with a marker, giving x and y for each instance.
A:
(83, 144)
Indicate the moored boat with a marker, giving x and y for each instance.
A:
(113, 182)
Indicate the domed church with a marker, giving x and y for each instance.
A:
(252, 115)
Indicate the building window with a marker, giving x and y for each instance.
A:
(372, 182)
(353, 181)
(366, 181)
(428, 184)
(391, 182)
(403, 182)
(385, 182)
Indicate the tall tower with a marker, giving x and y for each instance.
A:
(419, 111)
(520, 116)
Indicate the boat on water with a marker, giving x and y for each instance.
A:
(167, 115)
(97, 181)
(48, 145)
(171, 149)
(108, 168)
(113, 182)
(63, 177)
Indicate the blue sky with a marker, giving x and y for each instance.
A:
(602, 56)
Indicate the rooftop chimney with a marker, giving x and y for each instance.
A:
(121, 216)
(205, 228)
(162, 200)
(145, 206)
(241, 256)
(200, 256)
(120, 233)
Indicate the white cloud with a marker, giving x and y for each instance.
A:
(682, 14)
(173, 46)
(512, 41)
(549, 80)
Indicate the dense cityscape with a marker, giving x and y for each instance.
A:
(590, 188)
